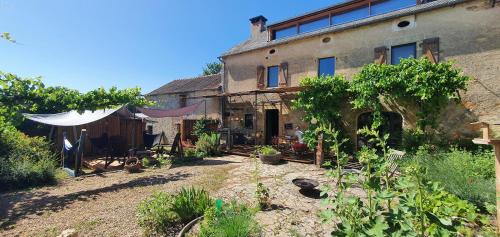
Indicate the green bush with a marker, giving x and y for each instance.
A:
(208, 144)
(161, 213)
(192, 153)
(266, 150)
(155, 214)
(191, 203)
(469, 175)
(24, 161)
(229, 221)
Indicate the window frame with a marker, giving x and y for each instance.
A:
(334, 65)
(249, 120)
(277, 76)
(182, 100)
(331, 13)
(402, 45)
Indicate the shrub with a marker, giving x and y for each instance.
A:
(162, 213)
(191, 203)
(200, 127)
(24, 161)
(403, 205)
(470, 176)
(230, 220)
(266, 150)
(208, 144)
(192, 153)
(155, 214)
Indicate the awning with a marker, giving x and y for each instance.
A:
(71, 118)
(162, 113)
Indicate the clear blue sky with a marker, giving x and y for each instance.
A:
(85, 44)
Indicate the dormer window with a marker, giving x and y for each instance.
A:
(336, 15)
(314, 25)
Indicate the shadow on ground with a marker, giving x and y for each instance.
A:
(204, 162)
(18, 204)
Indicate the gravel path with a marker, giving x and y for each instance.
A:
(102, 205)
(105, 205)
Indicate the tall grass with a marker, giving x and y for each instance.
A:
(231, 220)
(469, 175)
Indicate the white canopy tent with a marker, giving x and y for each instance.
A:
(71, 118)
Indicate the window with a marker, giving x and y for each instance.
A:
(286, 32)
(314, 25)
(182, 101)
(350, 16)
(272, 76)
(403, 51)
(248, 121)
(376, 8)
(326, 66)
(390, 5)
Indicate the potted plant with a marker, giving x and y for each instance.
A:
(269, 155)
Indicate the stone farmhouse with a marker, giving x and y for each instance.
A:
(262, 74)
(182, 93)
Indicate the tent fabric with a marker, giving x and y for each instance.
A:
(71, 118)
(162, 113)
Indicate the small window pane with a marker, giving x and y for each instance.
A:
(390, 6)
(326, 67)
(402, 51)
(287, 32)
(272, 76)
(314, 25)
(248, 121)
(350, 16)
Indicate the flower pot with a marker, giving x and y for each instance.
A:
(270, 159)
(132, 165)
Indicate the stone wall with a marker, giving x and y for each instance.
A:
(469, 34)
(172, 101)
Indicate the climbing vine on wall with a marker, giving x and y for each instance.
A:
(428, 86)
(321, 103)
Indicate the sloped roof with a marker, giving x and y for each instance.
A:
(211, 82)
(261, 41)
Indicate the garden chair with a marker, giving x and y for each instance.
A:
(394, 157)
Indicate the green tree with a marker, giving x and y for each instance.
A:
(6, 36)
(30, 95)
(212, 68)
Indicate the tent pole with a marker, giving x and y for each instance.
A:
(51, 133)
(74, 133)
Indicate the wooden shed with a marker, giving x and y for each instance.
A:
(118, 122)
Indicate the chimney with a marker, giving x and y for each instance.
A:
(257, 25)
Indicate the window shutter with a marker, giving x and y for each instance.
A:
(284, 76)
(260, 77)
(430, 49)
(380, 56)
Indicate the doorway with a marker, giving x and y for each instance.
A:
(392, 125)
(272, 125)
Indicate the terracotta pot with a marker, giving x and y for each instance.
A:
(132, 165)
(270, 159)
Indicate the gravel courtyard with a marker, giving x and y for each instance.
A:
(105, 205)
